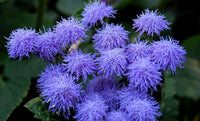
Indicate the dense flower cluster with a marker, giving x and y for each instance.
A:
(150, 22)
(21, 43)
(110, 37)
(69, 31)
(47, 46)
(116, 81)
(96, 11)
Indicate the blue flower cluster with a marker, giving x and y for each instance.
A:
(116, 82)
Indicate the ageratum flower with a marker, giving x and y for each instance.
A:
(48, 46)
(144, 74)
(112, 62)
(116, 116)
(106, 88)
(80, 64)
(69, 31)
(96, 11)
(93, 108)
(142, 110)
(140, 49)
(150, 22)
(168, 53)
(100, 83)
(109, 37)
(58, 89)
(21, 42)
(127, 94)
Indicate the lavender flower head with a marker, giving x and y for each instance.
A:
(92, 109)
(110, 37)
(143, 110)
(21, 43)
(116, 116)
(69, 31)
(150, 22)
(144, 74)
(100, 83)
(79, 64)
(59, 90)
(47, 46)
(106, 88)
(168, 53)
(127, 94)
(140, 49)
(96, 11)
(112, 62)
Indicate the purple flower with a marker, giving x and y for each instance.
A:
(144, 74)
(80, 64)
(116, 116)
(58, 89)
(111, 36)
(69, 31)
(168, 53)
(150, 22)
(106, 88)
(100, 83)
(21, 43)
(112, 62)
(93, 108)
(138, 50)
(96, 11)
(48, 46)
(127, 94)
(142, 110)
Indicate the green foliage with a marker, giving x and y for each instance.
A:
(69, 7)
(25, 68)
(40, 110)
(169, 104)
(15, 82)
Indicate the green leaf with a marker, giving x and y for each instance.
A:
(12, 92)
(68, 7)
(169, 105)
(28, 67)
(78, 13)
(40, 110)
(15, 82)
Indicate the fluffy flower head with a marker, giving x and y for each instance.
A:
(168, 53)
(106, 88)
(79, 64)
(47, 46)
(150, 22)
(69, 31)
(100, 83)
(137, 50)
(58, 89)
(21, 43)
(143, 110)
(112, 62)
(92, 109)
(115, 116)
(144, 74)
(109, 37)
(127, 94)
(96, 11)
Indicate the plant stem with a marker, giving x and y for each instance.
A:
(41, 7)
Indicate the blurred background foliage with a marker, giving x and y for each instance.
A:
(180, 98)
